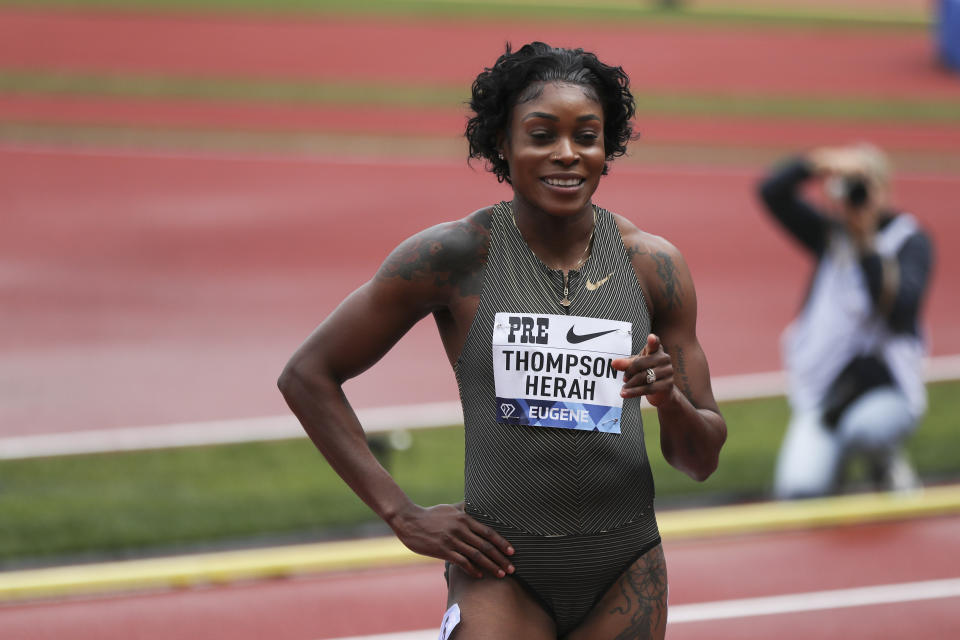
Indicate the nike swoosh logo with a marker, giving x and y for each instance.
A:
(573, 338)
(592, 286)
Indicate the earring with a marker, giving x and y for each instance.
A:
(500, 155)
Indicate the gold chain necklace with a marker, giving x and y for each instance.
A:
(566, 273)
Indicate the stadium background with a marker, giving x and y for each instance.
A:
(188, 188)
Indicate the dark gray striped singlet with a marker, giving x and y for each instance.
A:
(576, 505)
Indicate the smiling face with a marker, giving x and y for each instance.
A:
(555, 149)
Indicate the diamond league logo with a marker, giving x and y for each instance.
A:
(506, 410)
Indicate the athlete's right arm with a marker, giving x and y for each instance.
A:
(415, 280)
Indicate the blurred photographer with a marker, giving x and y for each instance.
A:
(854, 353)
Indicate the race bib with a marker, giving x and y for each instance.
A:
(555, 371)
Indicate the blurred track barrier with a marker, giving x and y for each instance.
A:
(948, 32)
(279, 562)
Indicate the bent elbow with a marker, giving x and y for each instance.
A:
(285, 381)
(709, 461)
(697, 469)
(293, 378)
(713, 463)
(701, 474)
(306, 377)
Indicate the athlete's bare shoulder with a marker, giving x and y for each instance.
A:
(659, 266)
(641, 243)
(447, 258)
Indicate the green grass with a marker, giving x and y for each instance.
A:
(117, 505)
(755, 430)
(611, 11)
(405, 95)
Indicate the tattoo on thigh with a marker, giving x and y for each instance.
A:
(644, 597)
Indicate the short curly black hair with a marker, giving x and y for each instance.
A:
(498, 89)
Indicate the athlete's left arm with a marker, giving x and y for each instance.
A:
(692, 430)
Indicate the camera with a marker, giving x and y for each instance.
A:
(853, 190)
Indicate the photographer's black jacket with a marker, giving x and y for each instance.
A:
(811, 227)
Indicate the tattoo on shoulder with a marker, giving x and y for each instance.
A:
(643, 590)
(636, 249)
(669, 284)
(454, 257)
(407, 261)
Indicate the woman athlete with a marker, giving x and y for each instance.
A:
(557, 316)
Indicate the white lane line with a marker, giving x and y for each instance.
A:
(374, 420)
(187, 434)
(815, 601)
(773, 605)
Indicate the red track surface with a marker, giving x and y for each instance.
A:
(448, 122)
(149, 289)
(413, 598)
(729, 60)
